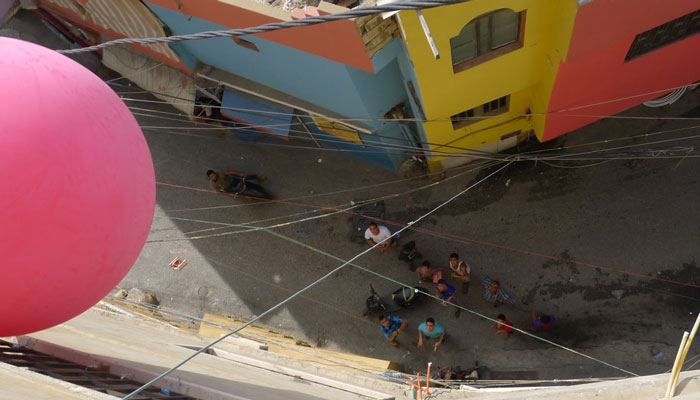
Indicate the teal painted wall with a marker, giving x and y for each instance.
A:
(345, 90)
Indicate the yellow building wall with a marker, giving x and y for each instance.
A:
(526, 74)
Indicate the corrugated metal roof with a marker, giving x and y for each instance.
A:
(126, 17)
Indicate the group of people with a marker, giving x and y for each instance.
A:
(461, 273)
(391, 326)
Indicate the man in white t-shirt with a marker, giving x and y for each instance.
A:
(376, 233)
(461, 271)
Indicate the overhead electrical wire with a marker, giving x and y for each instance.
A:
(654, 153)
(448, 236)
(605, 141)
(368, 143)
(408, 286)
(307, 21)
(665, 90)
(257, 337)
(353, 189)
(272, 114)
(307, 287)
(333, 210)
(482, 382)
(409, 149)
(304, 22)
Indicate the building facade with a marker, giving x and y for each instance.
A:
(472, 77)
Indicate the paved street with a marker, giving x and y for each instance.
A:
(622, 215)
(561, 236)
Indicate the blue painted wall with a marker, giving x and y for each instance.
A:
(335, 86)
(346, 90)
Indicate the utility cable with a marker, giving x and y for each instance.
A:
(279, 114)
(606, 141)
(367, 141)
(273, 26)
(524, 155)
(368, 150)
(314, 210)
(319, 251)
(255, 337)
(357, 188)
(418, 150)
(127, 76)
(265, 339)
(408, 286)
(373, 150)
(334, 209)
(464, 240)
(333, 271)
(391, 195)
(621, 98)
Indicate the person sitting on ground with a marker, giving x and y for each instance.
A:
(376, 233)
(447, 293)
(409, 253)
(446, 373)
(493, 292)
(427, 275)
(424, 273)
(461, 271)
(541, 323)
(503, 325)
(233, 182)
(391, 327)
(431, 330)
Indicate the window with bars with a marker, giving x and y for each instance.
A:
(663, 35)
(476, 114)
(486, 37)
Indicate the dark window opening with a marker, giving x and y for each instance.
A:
(663, 35)
(476, 114)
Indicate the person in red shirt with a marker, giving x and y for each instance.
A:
(503, 326)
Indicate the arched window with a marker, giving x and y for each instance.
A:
(486, 37)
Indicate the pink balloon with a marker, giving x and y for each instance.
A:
(78, 188)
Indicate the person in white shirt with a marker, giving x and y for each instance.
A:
(376, 233)
(461, 271)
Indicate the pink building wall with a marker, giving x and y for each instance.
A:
(595, 72)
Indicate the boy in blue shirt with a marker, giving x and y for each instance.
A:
(447, 293)
(391, 326)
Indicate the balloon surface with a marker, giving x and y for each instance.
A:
(78, 188)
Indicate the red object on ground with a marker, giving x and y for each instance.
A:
(78, 188)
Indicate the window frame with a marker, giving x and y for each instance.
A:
(490, 55)
(647, 42)
(482, 110)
